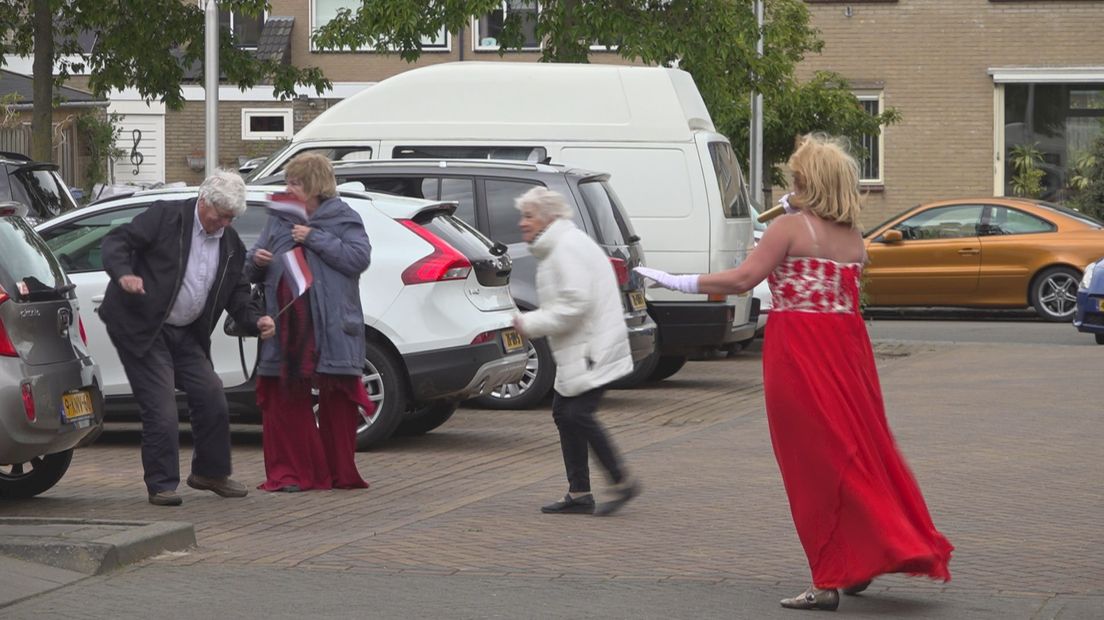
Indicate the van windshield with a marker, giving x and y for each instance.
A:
(729, 180)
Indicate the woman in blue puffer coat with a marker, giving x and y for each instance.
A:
(319, 339)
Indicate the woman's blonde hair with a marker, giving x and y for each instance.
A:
(826, 179)
(315, 173)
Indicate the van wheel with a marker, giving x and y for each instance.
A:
(667, 366)
(641, 373)
(382, 380)
(425, 419)
(530, 391)
(40, 474)
(1054, 293)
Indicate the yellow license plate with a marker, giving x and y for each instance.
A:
(76, 405)
(1101, 302)
(512, 340)
(636, 300)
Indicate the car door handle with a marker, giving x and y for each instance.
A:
(969, 251)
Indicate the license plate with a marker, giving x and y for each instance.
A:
(636, 300)
(76, 405)
(1101, 304)
(511, 340)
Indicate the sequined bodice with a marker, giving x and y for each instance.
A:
(807, 284)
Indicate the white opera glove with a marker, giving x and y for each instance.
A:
(686, 283)
(785, 202)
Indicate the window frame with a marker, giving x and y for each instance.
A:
(249, 113)
(264, 20)
(878, 96)
(477, 38)
(428, 47)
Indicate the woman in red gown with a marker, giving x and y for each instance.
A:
(857, 508)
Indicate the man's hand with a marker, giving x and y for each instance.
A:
(266, 326)
(262, 258)
(132, 284)
(299, 233)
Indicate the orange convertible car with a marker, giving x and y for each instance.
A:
(983, 253)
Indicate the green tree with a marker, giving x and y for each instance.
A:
(1028, 180)
(713, 40)
(145, 44)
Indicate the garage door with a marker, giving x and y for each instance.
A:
(141, 142)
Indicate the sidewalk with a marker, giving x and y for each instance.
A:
(1001, 437)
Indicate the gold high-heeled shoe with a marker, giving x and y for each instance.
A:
(827, 600)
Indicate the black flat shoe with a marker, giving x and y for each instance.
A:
(826, 600)
(854, 589)
(621, 497)
(582, 505)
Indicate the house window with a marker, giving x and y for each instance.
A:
(489, 27)
(244, 28)
(266, 124)
(322, 11)
(873, 150)
(1054, 125)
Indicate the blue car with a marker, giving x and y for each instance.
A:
(1089, 316)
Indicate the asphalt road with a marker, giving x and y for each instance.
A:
(992, 330)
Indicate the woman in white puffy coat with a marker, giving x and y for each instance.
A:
(580, 313)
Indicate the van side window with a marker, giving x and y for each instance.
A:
(502, 217)
(729, 180)
(519, 153)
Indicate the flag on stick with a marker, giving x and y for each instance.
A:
(283, 203)
(299, 277)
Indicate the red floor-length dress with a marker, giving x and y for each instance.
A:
(858, 510)
(298, 451)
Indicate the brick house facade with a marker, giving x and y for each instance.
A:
(959, 72)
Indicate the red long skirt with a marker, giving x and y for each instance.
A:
(299, 452)
(856, 505)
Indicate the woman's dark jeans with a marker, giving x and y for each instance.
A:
(579, 428)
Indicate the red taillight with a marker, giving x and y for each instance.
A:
(444, 263)
(28, 402)
(484, 337)
(717, 297)
(80, 325)
(7, 349)
(621, 270)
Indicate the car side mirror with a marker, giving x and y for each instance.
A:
(892, 236)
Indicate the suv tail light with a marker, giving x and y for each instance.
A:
(80, 325)
(7, 349)
(484, 337)
(444, 263)
(28, 402)
(621, 270)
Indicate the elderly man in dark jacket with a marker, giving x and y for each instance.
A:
(174, 269)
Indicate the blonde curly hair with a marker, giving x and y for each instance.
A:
(826, 179)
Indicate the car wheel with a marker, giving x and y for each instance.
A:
(382, 381)
(667, 366)
(40, 474)
(540, 372)
(1054, 293)
(425, 419)
(641, 372)
(1099, 338)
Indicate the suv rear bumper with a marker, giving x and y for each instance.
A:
(687, 327)
(643, 337)
(462, 372)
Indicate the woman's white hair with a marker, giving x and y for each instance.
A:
(224, 190)
(544, 204)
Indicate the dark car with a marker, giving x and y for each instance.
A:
(50, 396)
(32, 189)
(484, 191)
(1089, 315)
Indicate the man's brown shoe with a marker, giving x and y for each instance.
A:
(225, 487)
(165, 498)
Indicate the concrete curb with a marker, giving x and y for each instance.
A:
(91, 547)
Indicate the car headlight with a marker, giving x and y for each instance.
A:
(1087, 278)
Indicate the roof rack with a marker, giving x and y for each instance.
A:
(445, 163)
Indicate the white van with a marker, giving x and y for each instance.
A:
(647, 126)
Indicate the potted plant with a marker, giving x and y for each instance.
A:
(196, 160)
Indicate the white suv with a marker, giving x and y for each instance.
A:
(437, 308)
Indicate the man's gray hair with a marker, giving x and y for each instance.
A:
(545, 204)
(225, 191)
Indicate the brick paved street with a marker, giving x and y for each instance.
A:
(1003, 438)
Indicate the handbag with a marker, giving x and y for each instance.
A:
(257, 300)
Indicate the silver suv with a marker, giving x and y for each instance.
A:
(50, 398)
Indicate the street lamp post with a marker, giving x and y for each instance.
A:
(211, 83)
(755, 148)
